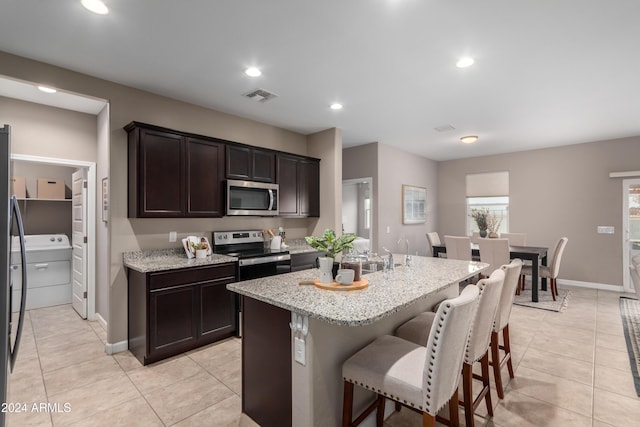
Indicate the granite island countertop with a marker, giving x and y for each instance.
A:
(385, 295)
(168, 259)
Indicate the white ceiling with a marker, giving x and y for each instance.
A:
(547, 72)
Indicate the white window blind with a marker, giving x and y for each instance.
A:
(491, 184)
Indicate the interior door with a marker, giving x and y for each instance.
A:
(631, 235)
(78, 243)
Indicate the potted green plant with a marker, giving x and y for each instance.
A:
(332, 245)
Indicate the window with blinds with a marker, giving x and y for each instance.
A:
(488, 191)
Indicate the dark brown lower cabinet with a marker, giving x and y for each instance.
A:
(173, 311)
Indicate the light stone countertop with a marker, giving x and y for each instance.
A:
(298, 246)
(383, 296)
(169, 259)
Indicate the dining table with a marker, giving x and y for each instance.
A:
(536, 254)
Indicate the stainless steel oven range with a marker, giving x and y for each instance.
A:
(254, 259)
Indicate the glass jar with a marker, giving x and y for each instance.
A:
(352, 261)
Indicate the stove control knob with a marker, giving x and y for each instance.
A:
(52, 239)
(59, 239)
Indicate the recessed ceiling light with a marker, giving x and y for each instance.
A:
(336, 106)
(253, 72)
(469, 139)
(465, 62)
(47, 89)
(95, 6)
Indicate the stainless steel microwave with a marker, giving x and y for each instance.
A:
(252, 198)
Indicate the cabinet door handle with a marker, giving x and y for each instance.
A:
(42, 266)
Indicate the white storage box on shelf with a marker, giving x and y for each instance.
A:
(48, 270)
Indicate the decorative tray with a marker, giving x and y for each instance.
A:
(335, 286)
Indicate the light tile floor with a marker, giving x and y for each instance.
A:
(571, 368)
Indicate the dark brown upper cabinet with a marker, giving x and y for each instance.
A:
(172, 175)
(299, 181)
(250, 164)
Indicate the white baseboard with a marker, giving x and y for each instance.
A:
(116, 347)
(101, 321)
(591, 285)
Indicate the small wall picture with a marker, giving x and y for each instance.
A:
(414, 204)
(105, 199)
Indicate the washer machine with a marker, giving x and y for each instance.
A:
(48, 270)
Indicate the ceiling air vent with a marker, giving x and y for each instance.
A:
(260, 95)
(444, 128)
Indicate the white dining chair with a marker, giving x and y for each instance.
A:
(548, 272)
(434, 239)
(515, 239)
(501, 324)
(494, 252)
(635, 260)
(477, 346)
(475, 237)
(422, 378)
(458, 247)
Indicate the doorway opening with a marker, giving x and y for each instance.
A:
(631, 228)
(83, 229)
(357, 212)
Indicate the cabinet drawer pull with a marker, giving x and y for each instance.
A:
(42, 266)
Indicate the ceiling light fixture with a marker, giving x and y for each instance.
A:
(465, 62)
(95, 6)
(253, 72)
(47, 89)
(336, 106)
(469, 139)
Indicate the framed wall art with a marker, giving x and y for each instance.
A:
(414, 204)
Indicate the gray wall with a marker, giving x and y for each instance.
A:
(390, 168)
(555, 192)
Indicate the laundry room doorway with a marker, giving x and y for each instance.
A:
(83, 229)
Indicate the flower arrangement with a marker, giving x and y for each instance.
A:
(493, 223)
(481, 218)
(330, 243)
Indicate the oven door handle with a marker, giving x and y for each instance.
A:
(264, 260)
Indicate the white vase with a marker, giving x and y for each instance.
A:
(201, 253)
(326, 269)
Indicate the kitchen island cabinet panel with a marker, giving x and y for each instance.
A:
(173, 311)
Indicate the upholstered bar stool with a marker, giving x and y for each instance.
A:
(501, 324)
(478, 344)
(423, 378)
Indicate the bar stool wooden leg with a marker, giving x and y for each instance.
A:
(484, 363)
(380, 411)
(467, 392)
(347, 404)
(495, 363)
(454, 419)
(507, 349)
(428, 420)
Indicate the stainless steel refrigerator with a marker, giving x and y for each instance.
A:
(10, 225)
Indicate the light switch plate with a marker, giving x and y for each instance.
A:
(173, 236)
(606, 229)
(300, 351)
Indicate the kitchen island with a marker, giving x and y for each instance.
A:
(295, 377)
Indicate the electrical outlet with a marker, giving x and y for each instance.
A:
(388, 229)
(299, 351)
(173, 236)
